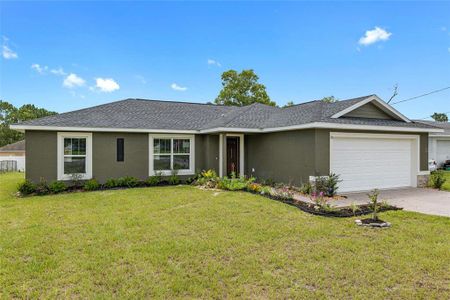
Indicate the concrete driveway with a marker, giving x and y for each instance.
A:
(427, 201)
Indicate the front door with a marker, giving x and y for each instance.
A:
(232, 155)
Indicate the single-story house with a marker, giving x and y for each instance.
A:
(439, 142)
(14, 152)
(364, 140)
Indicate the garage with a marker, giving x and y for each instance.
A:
(368, 161)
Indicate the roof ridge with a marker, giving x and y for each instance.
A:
(177, 101)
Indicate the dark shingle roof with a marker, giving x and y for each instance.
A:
(441, 125)
(156, 114)
(14, 147)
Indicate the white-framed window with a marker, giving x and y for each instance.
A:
(171, 152)
(74, 155)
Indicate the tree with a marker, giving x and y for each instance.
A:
(241, 89)
(329, 99)
(440, 117)
(9, 114)
(289, 103)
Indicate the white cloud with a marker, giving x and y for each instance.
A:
(176, 87)
(38, 68)
(375, 35)
(106, 85)
(8, 53)
(72, 81)
(213, 62)
(58, 71)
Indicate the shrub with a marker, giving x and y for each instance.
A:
(91, 185)
(234, 183)
(373, 203)
(111, 183)
(154, 180)
(306, 188)
(42, 188)
(26, 187)
(207, 179)
(268, 182)
(57, 187)
(128, 181)
(174, 179)
(332, 184)
(437, 179)
(254, 187)
(328, 185)
(321, 203)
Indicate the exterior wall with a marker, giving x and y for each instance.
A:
(41, 156)
(104, 160)
(207, 152)
(41, 149)
(281, 156)
(293, 156)
(369, 111)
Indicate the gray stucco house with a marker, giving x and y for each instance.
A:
(439, 142)
(366, 141)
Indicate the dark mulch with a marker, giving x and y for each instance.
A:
(340, 212)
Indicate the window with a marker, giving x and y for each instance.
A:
(172, 153)
(120, 149)
(74, 155)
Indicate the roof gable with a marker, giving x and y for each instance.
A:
(371, 108)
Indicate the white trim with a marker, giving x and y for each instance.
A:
(241, 151)
(324, 125)
(379, 103)
(240, 130)
(415, 139)
(191, 138)
(100, 129)
(221, 155)
(60, 154)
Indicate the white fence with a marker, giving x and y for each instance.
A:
(19, 162)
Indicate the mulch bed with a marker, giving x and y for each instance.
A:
(339, 212)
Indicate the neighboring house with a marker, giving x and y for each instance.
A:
(439, 142)
(14, 152)
(364, 140)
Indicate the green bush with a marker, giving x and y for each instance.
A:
(207, 179)
(235, 183)
(91, 185)
(328, 185)
(437, 179)
(154, 180)
(26, 187)
(174, 179)
(306, 188)
(128, 181)
(42, 188)
(57, 187)
(111, 183)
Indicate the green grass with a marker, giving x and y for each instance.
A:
(183, 242)
(446, 185)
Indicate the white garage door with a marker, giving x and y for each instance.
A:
(368, 163)
(443, 151)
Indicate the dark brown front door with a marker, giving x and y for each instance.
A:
(233, 155)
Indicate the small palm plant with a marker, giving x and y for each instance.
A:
(373, 196)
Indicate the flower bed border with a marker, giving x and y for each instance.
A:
(340, 212)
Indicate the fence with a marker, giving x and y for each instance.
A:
(8, 166)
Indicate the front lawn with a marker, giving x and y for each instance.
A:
(446, 185)
(184, 242)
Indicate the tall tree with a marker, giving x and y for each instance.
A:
(440, 117)
(240, 89)
(9, 114)
(289, 103)
(330, 99)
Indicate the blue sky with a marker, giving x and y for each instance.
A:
(69, 55)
